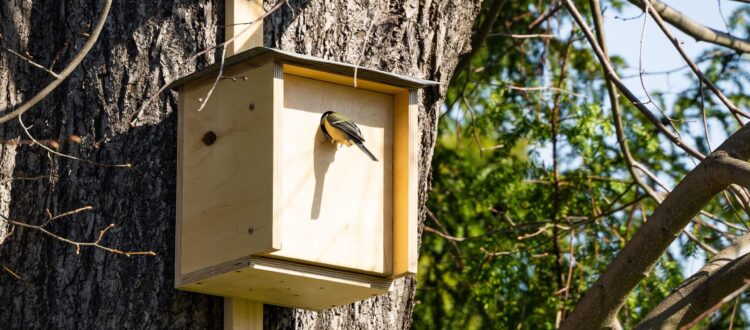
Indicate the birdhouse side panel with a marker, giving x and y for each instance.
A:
(406, 179)
(336, 203)
(226, 179)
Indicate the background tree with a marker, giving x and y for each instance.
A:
(540, 180)
(94, 115)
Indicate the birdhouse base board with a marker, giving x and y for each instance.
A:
(285, 283)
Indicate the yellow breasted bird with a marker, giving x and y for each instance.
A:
(341, 130)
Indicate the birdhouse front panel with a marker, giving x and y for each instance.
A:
(336, 202)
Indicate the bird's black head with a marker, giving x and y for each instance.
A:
(326, 113)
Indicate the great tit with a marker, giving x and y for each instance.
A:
(341, 130)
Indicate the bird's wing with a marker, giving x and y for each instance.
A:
(346, 125)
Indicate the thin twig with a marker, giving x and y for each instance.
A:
(612, 75)
(474, 125)
(571, 264)
(734, 312)
(216, 81)
(728, 103)
(457, 256)
(26, 130)
(522, 36)
(51, 218)
(26, 178)
(78, 244)
(12, 273)
(641, 70)
(545, 16)
(700, 243)
(538, 89)
(541, 230)
(32, 63)
(703, 115)
(721, 302)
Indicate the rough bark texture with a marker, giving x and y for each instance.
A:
(697, 294)
(145, 44)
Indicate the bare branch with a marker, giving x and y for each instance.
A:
(12, 273)
(596, 12)
(679, 304)
(216, 82)
(546, 15)
(716, 307)
(474, 125)
(612, 75)
(660, 22)
(600, 305)
(26, 130)
(32, 63)
(77, 244)
(695, 29)
(522, 36)
(538, 89)
(77, 59)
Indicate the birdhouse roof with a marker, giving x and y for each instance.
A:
(260, 55)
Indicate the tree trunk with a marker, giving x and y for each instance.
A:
(144, 45)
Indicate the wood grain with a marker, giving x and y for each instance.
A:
(336, 203)
(227, 186)
(238, 14)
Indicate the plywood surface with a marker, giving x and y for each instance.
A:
(238, 14)
(405, 173)
(226, 187)
(287, 284)
(336, 204)
(243, 314)
(341, 80)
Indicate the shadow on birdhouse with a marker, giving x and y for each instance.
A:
(270, 210)
(325, 153)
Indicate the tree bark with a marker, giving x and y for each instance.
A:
(703, 290)
(144, 45)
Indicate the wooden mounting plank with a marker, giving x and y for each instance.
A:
(237, 14)
(243, 314)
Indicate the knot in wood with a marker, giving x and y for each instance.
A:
(209, 138)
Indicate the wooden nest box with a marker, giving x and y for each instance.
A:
(267, 208)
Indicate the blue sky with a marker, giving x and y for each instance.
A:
(623, 39)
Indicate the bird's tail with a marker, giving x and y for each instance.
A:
(362, 146)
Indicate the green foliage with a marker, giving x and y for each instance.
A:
(504, 218)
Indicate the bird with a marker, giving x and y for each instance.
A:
(341, 130)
